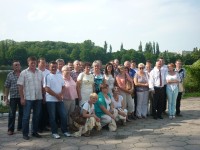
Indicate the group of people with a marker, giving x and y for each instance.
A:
(107, 96)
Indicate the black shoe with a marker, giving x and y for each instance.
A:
(36, 135)
(155, 118)
(19, 129)
(26, 137)
(160, 117)
(128, 120)
(179, 115)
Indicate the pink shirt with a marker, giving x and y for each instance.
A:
(121, 80)
(70, 92)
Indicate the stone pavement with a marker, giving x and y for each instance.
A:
(182, 133)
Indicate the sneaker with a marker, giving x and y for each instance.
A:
(173, 117)
(170, 117)
(35, 134)
(67, 134)
(55, 136)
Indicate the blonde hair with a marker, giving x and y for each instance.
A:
(94, 95)
(140, 65)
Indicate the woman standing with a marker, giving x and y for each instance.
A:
(98, 77)
(122, 80)
(172, 79)
(85, 84)
(104, 108)
(142, 91)
(109, 77)
(69, 93)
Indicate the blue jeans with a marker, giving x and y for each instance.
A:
(172, 95)
(14, 103)
(36, 106)
(59, 107)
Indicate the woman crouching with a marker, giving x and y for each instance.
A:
(118, 103)
(92, 120)
(104, 108)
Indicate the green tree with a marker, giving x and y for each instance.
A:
(140, 47)
(121, 47)
(105, 46)
(17, 53)
(157, 49)
(110, 50)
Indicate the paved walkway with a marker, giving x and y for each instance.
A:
(182, 133)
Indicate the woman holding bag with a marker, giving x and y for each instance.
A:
(125, 84)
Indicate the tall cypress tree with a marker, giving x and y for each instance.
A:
(140, 47)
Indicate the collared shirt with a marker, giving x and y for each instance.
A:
(74, 74)
(32, 84)
(58, 72)
(132, 72)
(11, 84)
(154, 80)
(182, 73)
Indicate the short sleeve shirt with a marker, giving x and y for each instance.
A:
(32, 84)
(87, 107)
(55, 82)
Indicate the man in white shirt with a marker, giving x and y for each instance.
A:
(60, 63)
(54, 85)
(164, 67)
(156, 85)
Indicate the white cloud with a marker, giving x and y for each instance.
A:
(172, 23)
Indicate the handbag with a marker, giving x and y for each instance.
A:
(128, 84)
(77, 116)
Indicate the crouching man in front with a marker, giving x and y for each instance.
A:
(92, 120)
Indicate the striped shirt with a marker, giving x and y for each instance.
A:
(11, 84)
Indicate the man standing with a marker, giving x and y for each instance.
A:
(181, 72)
(43, 121)
(60, 63)
(12, 88)
(54, 85)
(30, 89)
(156, 85)
(74, 74)
(165, 69)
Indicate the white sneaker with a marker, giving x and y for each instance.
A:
(170, 117)
(173, 117)
(55, 136)
(67, 134)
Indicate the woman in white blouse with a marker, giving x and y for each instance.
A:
(172, 79)
(85, 84)
(109, 77)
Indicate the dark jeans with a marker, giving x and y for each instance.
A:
(36, 106)
(14, 103)
(164, 99)
(60, 108)
(178, 103)
(158, 99)
(44, 117)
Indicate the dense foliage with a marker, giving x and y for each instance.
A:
(192, 81)
(86, 51)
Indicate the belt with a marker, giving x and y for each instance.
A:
(158, 87)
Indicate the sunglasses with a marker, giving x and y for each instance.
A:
(141, 68)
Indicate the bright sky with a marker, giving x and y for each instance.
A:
(174, 24)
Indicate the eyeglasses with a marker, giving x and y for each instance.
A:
(141, 68)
